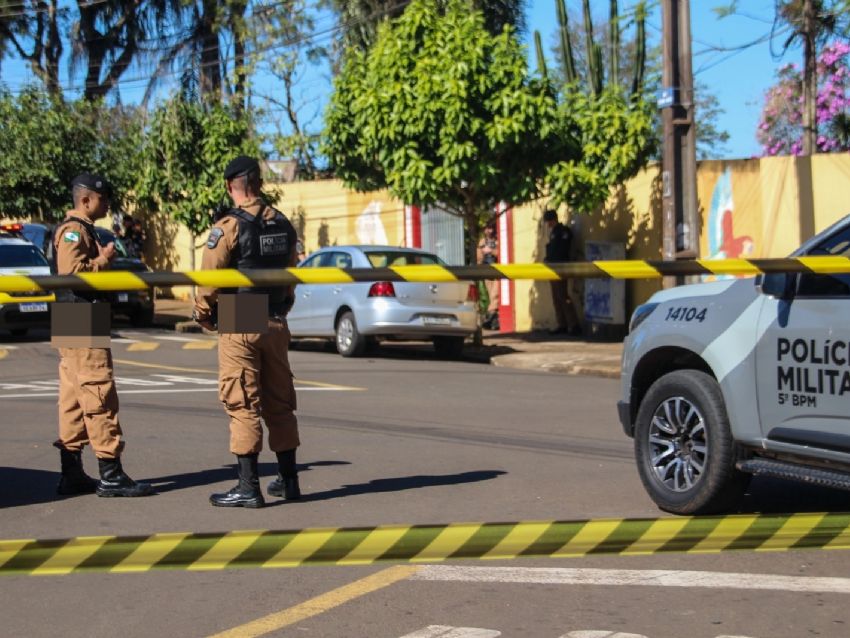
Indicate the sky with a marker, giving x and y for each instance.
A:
(738, 79)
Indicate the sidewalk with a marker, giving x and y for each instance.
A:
(526, 351)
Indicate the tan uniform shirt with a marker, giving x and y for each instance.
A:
(218, 255)
(76, 251)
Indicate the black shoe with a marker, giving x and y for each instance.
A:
(246, 493)
(286, 483)
(74, 480)
(114, 482)
(285, 486)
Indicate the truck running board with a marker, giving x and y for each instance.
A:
(806, 474)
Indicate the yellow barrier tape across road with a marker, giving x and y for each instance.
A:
(424, 543)
(228, 278)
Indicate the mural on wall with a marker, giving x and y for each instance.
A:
(370, 228)
(722, 241)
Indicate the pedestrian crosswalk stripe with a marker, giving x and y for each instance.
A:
(446, 631)
(425, 543)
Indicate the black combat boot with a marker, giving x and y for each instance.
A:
(114, 482)
(246, 493)
(74, 480)
(286, 483)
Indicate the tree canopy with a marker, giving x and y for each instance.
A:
(45, 142)
(185, 151)
(440, 110)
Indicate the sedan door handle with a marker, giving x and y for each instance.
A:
(337, 290)
(305, 294)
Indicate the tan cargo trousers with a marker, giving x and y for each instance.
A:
(255, 382)
(88, 402)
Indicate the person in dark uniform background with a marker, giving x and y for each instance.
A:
(88, 401)
(558, 252)
(255, 380)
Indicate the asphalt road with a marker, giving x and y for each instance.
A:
(397, 438)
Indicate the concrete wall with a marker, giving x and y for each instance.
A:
(748, 208)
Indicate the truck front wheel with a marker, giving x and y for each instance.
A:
(684, 448)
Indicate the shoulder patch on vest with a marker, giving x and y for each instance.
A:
(71, 236)
(215, 235)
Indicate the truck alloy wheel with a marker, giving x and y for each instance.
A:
(683, 445)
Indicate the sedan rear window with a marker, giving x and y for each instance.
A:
(21, 257)
(383, 259)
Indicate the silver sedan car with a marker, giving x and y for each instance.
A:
(356, 314)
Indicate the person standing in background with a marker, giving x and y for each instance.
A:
(558, 250)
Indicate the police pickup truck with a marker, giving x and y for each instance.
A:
(728, 379)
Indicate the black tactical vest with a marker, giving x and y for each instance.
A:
(264, 243)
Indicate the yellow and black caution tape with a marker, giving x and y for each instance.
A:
(424, 543)
(227, 278)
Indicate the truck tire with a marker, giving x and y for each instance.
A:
(349, 341)
(684, 448)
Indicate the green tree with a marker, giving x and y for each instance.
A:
(185, 149)
(45, 142)
(610, 124)
(439, 110)
(360, 18)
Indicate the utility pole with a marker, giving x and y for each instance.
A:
(680, 220)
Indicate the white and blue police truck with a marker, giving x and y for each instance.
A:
(728, 379)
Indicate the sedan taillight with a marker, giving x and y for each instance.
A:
(382, 289)
(472, 293)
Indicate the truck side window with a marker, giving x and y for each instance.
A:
(828, 285)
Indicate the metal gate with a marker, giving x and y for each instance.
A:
(442, 234)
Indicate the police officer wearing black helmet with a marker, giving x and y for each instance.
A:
(255, 380)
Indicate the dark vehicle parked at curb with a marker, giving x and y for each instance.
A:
(729, 379)
(356, 315)
(136, 305)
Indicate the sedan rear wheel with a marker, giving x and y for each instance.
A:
(349, 341)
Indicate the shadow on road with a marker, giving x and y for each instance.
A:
(776, 496)
(23, 486)
(403, 483)
(407, 350)
(225, 473)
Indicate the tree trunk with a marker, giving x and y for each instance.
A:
(240, 71)
(210, 54)
(810, 79)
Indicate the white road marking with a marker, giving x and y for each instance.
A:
(444, 631)
(181, 339)
(601, 634)
(631, 577)
(124, 340)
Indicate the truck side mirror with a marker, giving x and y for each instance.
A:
(777, 284)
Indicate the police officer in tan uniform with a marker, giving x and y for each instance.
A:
(255, 380)
(88, 401)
